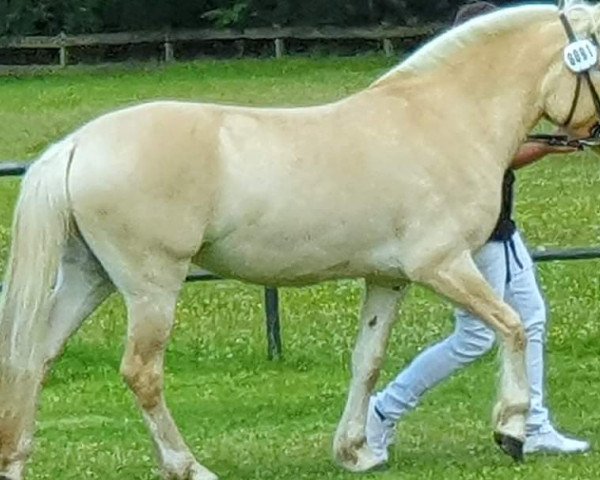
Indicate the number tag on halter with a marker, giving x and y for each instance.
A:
(581, 55)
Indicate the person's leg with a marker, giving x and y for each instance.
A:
(470, 340)
(524, 295)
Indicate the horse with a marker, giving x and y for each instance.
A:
(396, 184)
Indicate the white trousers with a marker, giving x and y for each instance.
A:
(510, 271)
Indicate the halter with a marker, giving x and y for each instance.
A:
(594, 138)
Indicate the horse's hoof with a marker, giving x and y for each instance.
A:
(4, 477)
(198, 472)
(509, 445)
(360, 460)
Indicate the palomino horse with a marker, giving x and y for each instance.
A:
(396, 184)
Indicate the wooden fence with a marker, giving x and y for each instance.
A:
(61, 43)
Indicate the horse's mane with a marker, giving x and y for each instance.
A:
(444, 46)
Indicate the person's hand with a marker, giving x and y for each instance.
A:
(556, 149)
(531, 152)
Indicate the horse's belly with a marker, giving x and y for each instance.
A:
(279, 259)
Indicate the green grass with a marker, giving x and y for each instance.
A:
(248, 418)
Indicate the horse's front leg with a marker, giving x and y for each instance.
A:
(457, 278)
(377, 317)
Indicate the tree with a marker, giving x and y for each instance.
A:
(49, 17)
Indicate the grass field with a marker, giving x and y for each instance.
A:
(247, 418)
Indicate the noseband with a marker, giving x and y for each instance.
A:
(594, 138)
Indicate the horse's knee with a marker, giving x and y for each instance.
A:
(516, 337)
(142, 364)
(144, 379)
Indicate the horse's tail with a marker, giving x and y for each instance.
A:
(39, 232)
(40, 228)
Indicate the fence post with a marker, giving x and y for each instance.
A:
(388, 47)
(240, 46)
(279, 47)
(169, 49)
(62, 52)
(273, 326)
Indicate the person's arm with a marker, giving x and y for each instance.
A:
(532, 152)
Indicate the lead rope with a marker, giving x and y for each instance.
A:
(572, 38)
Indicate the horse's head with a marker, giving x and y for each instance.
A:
(508, 68)
(571, 89)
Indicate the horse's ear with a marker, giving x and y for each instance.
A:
(564, 4)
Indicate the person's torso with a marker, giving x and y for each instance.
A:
(505, 227)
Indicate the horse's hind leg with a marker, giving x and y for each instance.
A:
(458, 279)
(150, 321)
(150, 283)
(81, 287)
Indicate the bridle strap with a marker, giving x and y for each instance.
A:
(586, 75)
(568, 28)
(593, 91)
(595, 134)
(588, 79)
(572, 38)
(574, 103)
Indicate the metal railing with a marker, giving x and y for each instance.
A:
(274, 344)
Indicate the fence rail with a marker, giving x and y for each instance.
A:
(64, 41)
(271, 295)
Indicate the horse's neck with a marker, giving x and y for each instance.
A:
(488, 91)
